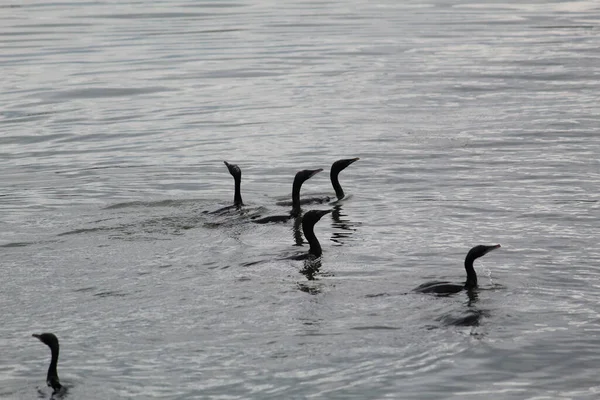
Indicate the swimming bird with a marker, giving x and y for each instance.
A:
(50, 340)
(309, 221)
(471, 282)
(308, 227)
(336, 168)
(312, 259)
(299, 179)
(236, 172)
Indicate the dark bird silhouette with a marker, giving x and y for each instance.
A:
(299, 179)
(336, 168)
(471, 282)
(50, 340)
(309, 221)
(236, 172)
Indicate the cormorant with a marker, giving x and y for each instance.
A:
(50, 340)
(308, 227)
(471, 282)
(299, 179)
(308, 224)
(336, 168)
(236, 172)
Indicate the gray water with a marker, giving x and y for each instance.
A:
(475, 122)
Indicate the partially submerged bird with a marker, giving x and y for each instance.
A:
(336, 168)
(299, 179)
(312, 259)
(309, 221)
(236, 172)
(50, 340)
(440, 287)
(308, 227)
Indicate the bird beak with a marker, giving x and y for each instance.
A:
(493, 248)
(316, 171)
(35, 335)
(324, 212)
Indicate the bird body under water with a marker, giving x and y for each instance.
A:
(299, 179)
(50, 340)
(443, 287)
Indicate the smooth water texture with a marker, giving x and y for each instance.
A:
(475, 123)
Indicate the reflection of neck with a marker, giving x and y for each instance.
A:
(337, 213)
(471, 275)
(311, 268)
(298, 231)
(315, 246)
(237, 199)
(339, 192)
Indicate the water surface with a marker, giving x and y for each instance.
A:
(475, 122)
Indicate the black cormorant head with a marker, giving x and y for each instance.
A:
(234, 170)
(480, 251)
(49, 339)
(306, 174)
(340, 165)
(312, 217)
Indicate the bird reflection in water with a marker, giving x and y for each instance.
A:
(310, 270)
(297, 231)
(472, 315)
(340, 221)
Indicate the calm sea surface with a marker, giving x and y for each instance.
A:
(475, 123)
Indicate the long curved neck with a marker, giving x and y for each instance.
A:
(52, 377)
(339, 192)
(237, 198)
(315, 246)
(296, 194)
(471, 275)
